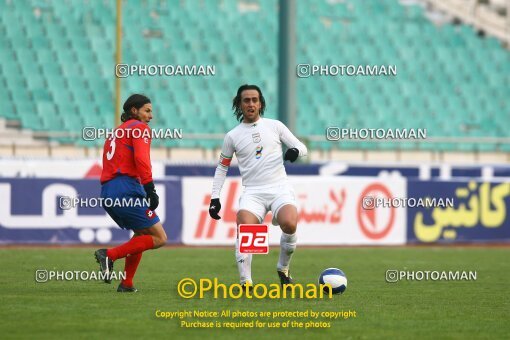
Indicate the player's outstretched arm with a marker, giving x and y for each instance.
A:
(295, 147)
(227, 152)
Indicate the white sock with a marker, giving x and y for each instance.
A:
(287, 247)
(243, 265)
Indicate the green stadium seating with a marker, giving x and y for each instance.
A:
(58, 67)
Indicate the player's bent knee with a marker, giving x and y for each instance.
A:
(159, 241)
(287, 218)
(288, 224)
(288, 227)
(289, 230)
(158, 235)
(162, 239)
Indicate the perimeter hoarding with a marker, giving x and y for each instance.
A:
(31, 211)
(329, 208)
(479, 212)
(330, 212)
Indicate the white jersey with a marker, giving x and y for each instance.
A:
(258, 148)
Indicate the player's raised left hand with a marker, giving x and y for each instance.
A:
(153, 198)
(291, 155)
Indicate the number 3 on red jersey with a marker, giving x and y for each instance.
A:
(109, 154)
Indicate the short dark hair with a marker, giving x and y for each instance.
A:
(236, 103)
(135, 100)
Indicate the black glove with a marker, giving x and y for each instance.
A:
(214, 208)
(151, 195)
(291, 155)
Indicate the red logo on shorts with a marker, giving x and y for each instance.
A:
(253, 239)
(150, 214)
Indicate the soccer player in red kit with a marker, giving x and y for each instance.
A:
(127, 176)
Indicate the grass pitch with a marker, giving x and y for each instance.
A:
(407, 309)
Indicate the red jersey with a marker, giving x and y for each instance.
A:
(127, 152)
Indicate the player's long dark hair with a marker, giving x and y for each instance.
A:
(136, 101)
(236, 103)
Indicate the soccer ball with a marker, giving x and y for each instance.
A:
(336, 278)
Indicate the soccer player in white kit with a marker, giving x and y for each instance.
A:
(257, 143)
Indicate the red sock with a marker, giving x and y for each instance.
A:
(132, 262)
(134, 246)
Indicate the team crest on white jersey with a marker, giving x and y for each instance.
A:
(256, 137)
(258, 152)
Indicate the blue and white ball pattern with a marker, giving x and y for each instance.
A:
(336, 278)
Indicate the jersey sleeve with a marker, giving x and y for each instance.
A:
(142, 146)
(227, 152)
(290, 140)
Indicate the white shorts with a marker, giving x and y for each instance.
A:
(259, 201)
